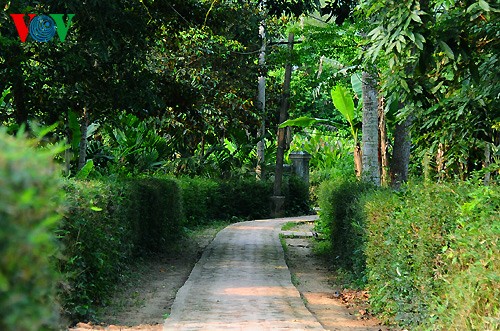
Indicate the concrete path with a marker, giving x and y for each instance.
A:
(242, 283)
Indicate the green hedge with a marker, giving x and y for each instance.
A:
(208, 199)
(106, 223)
(343, 222)
(155, 209)
(199, 200)
(29, 197)
(433, 256)
(430, 252)
(298, 198)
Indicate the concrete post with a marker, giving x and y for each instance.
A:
(300, 165)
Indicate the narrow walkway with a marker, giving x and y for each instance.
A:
(242, 283)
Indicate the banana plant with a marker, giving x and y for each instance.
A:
(344, 103)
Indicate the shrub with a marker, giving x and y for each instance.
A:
(342, 220)
(199, 200)
(206, 200)
(156, 210)
(468, 266)
(29, 197)
(107, 223)
(298, 200)
(98, 240)
(432, 256)
(244, 198)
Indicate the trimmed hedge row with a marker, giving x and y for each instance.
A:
(73, 262)
(205, 199)
(431, 251)
(105, 224)
(343, 222)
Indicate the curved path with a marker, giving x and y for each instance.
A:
(242, 282)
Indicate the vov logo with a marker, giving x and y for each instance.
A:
(42, 28)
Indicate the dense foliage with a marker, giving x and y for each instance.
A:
(439, 63)
(428, 254)
(205, 200)
(105, 224)
(29, 199)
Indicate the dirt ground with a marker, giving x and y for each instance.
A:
(145, 302)
(334, 307)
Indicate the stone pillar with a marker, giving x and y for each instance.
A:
(300, 165)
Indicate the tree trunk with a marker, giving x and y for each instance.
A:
(383, 158)
(82, 155)
(261, 104)
(371, 166)
(358, 161)
(280, 153)
(401, 153)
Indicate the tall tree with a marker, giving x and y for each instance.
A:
(439, 59)
(285, 105)
(370, 134)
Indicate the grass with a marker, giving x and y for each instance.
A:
(289, 226)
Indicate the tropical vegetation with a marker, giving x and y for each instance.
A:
(154, 116)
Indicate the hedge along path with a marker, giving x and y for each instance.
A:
(242, 282)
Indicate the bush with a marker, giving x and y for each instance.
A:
(468, 267)
(298, 200)
(244, 198)
(29, 197)
(199, 200)
(432, 256)
(156, 210)
(342, 220)
(98, 241)
(206, 200)
(106, 224)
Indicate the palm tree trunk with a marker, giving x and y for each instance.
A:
(371, 166)
(383, 158)
(261, 102)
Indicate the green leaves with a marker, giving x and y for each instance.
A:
(303, 122)
(484, 5)
(86, 170)
(343, 101)
(357, 84)
(30, 198)
(74, 127)
(447, 50)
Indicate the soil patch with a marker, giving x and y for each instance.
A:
(145, 301)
